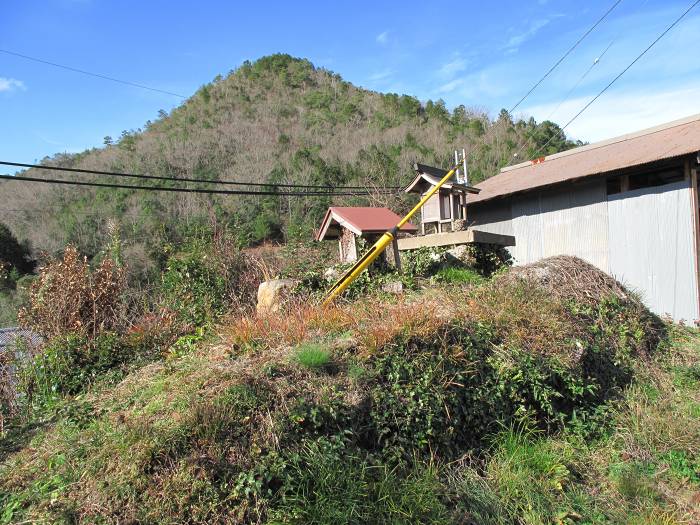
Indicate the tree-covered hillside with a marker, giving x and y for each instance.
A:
(279, 119)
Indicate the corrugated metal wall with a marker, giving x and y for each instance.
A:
(651, 247)
(572, 222)
(492, 217)
(643, 237)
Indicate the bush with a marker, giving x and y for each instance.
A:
(207, 278)
(489, 258)
(193, 287)
(12, 300)
(423, 262)
(69, 364)
(450, 391)
(70, 297)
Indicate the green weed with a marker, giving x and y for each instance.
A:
(312, 356)
(454, 275)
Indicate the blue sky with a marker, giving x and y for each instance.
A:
(480, 54)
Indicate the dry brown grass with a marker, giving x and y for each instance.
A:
(569, 278)
(369, 322)
(527, 317)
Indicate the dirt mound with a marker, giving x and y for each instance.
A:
(570, 278)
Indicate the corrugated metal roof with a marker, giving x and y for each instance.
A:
(360, 219)
(674, 139)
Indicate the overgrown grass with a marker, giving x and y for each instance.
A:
(482, 407)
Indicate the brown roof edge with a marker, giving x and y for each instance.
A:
(362, 219)
(669, 141)
(608, 142)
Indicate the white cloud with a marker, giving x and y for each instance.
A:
(383, 38)
(617, 113)
(11, 84)
(381, 75)
(515, 41)
(450, 86)
(450, 69)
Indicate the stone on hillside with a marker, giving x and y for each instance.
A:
(272, 294)
(331, 274)
(395, 287)
(462, 253)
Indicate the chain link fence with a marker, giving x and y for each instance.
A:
(15, 344)
(10, 337)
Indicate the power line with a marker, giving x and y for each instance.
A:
(71, 211)
(595, 62)
(183, 190)
(572, 89)
(490, 131)
(551, 69)
(184, 179)
(590, 102)
(89, 73)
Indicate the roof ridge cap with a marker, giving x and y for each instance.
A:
(608, 142)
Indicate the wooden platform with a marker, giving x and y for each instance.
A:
(468, 236)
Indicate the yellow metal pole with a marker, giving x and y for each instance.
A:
(378, 247)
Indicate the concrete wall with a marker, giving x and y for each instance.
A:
(642, 237)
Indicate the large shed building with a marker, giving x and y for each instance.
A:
(628, 205)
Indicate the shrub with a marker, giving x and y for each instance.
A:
(13, 298)
(207, 278)
(489, 258)
(68, 365)
(70, 297)
(423, 262)
(193, 287)
(13, 254)
(451, 390)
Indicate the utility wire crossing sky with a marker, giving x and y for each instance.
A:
(64, 84)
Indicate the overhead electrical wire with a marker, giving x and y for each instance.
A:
(563, 57)
(89, 73)
(602, 91)
(186, 179)
(551, 69)
(595, 62)
(185, 190)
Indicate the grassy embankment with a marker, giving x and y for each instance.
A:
(502, 402)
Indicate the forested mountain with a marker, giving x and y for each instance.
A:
(279, 119)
